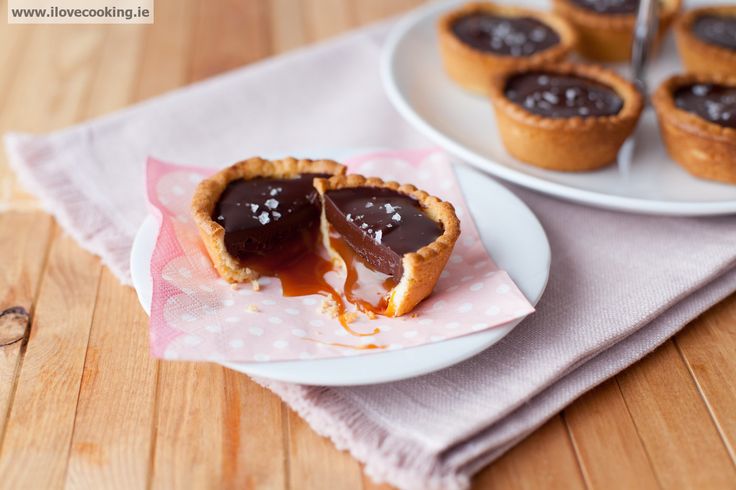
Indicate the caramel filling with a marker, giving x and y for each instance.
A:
(301, 267)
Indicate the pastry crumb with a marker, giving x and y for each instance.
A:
(255, 285)
(329, 306)
(350, 317)
(370, 315)
(234, 286)
(252, 308)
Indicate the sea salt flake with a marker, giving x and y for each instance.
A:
(379, 235)
(349, 217)
(369, 204)
(272, 204)
(396, 217)
(700, 90)
(264, 218)
(389, 208)
(254, 208)
(364, 226)
(275, 191)
(550, 97)
(276, 215)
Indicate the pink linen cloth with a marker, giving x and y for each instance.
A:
(197, 316)
(620, 284)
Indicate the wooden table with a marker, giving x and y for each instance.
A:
(82, 403)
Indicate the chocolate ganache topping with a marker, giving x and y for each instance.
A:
(507, 36)
(380, 225)
(260, 215)
(609, 6)
(714, 103)
(560, 96)
(716, 29)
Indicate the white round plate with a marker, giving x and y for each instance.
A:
(464, 125)
(512, 236)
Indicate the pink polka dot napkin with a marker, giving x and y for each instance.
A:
(196, 315)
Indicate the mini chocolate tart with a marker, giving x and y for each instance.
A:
(566, 117)
(480, 40)
(256, 208)
(605, 28)
(394, 229)
(706, 40)
(697, 121)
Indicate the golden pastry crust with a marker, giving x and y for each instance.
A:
(697, 55)
(569, 144)
(422, 268)
(472, 68)
(208, 193)
(608, 37)
(705, 149)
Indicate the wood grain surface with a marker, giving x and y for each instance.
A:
(83, 405)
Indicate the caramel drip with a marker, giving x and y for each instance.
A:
(349, 346)
(301, 270)
(352, 281)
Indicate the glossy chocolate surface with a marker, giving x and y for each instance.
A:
(380, 225)
(714, 103)
(560, 96)
(609, 6)
(506, 36)
(262, 215)
(716, 29)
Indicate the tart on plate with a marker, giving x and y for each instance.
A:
(479, 40)
(706, 39)
(605, 28)
(258, 209)
(568, 117)
(395, 230)
(697, 121)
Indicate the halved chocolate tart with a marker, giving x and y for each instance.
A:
(606, 27)
(256, 212)
(567, 117)
(697, 121)
(706, 40)
(480, 40)
(395, 230)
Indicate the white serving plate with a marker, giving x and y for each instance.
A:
(464, 125)
(511, 234)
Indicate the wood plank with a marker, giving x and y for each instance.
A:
(64, 54)
(216, 428)
(673, 423)
(111, 444)
(37, 440)
(24, 242)
(165, 60)
(327, 18)
(115, 77)
(366, 12)
(287, 26)
(546, 459)
(708, 346)
(314, 461)
(606, 443)
(190, 426)
(255, 449)
(229, 35)
(36, 443)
